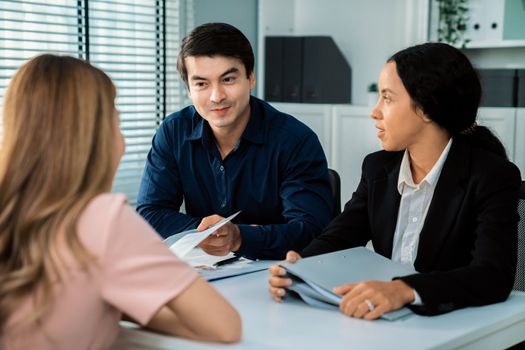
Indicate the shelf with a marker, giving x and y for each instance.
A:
(494, 44)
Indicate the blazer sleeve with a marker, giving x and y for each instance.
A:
(489, 276)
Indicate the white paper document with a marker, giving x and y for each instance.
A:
(184, 245)
(212, 267)
(199, 259)
(190, 239)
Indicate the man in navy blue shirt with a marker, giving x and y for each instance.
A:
(230, 151)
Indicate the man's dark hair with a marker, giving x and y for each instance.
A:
(442, 82)
(215, 39)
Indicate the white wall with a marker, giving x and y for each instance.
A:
(367, 32)
(276, 17)
(366, 35)
(240, 13)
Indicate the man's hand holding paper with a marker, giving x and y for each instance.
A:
(224, 240)
(191, 239)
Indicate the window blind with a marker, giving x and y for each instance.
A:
(135, 42)
(30, 28)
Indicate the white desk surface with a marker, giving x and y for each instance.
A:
(295, 325)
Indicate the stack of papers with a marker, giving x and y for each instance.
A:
(314, 277)
(184, 245)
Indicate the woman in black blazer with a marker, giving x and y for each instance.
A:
(442, 196)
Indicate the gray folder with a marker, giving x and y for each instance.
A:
(314, 277)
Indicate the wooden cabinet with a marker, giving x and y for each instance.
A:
(508, 124)
(353, 137)
(502, 122)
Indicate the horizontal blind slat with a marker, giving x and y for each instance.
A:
(29, 31)
(25, 13)
(72, 22)
(44, 3)
(115, 2)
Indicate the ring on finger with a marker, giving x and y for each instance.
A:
(370, 305)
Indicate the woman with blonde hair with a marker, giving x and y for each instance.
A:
(74, 257)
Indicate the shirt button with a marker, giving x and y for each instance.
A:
(223, 204)
(414, 219)
(221, 168)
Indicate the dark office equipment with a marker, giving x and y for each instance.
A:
(292, 69)
(520, 94)
(273, 88)
(326, 74)
(306, 69)
(498, 87)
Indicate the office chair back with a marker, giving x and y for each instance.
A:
(335, 184)
(519, 281)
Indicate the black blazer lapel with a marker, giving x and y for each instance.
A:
(385, 205)
(445, 205)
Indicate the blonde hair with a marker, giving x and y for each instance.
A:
(56, 155)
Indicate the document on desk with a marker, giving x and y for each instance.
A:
(182, 243)
(199, 259)
(212, 267)
(314, 277)
(240, 267)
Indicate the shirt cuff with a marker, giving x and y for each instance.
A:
(417, 299)
(252, 241)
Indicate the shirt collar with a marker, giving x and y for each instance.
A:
(254, 131)
(405, 174)
(197, 125)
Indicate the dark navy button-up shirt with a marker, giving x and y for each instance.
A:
(277, 175)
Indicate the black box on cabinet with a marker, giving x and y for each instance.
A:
(306, 69)
(292, 69)
(273, 83)
(498, 87)
(520, 93)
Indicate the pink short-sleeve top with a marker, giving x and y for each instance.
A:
(132, 272)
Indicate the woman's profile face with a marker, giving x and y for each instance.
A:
(399, 124)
